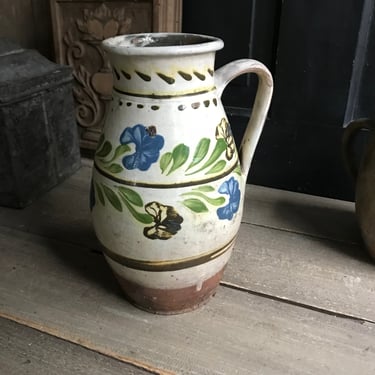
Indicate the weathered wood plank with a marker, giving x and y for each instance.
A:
(69, 291)
(24, 350)
(301, 213)
(62, 213)
(333, 275)
(326, 274)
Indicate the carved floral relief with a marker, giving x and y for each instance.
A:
(83, 26)
(79, 26)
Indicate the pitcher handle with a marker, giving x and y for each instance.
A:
(262, 102)
(350, 133)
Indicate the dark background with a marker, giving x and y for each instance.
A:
(321, 54)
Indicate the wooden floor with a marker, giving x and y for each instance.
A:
(298, 296)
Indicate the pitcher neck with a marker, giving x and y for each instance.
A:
(162, 64)
(163, 76)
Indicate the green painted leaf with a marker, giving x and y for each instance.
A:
(214, 201)
(165, 160)
(100, 142)
(238, 170)
(114, 168)
(104, 150)
(179, 156)
(195, 205)
(120, 150)
(205, 188)
(218, 167)
(131, 196)
(220, 147)
(200, 152)
(100, 193)
(217, 201)
(143, 218)
(113, 198)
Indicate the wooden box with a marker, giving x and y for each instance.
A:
(39, 145)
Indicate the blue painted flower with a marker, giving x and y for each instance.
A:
(231, 188)
(147, 147)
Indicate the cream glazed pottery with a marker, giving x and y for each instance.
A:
(168, 184)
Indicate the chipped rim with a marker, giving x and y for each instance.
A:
(148, 44)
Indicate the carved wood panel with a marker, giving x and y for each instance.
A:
(79, 26)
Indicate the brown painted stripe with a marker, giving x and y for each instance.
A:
(164, 186)
(168, 265)
(167, 96)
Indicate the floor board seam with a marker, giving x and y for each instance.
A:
(288, 301)
(86, 344)
(97, 250)
(301, 233)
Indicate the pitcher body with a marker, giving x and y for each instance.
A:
(168, 184)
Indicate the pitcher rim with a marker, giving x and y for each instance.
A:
(141, 44)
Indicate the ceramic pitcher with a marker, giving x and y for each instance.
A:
(168, 183)
(364, 175)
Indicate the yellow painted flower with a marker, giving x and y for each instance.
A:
(167, 222)
(223, 131)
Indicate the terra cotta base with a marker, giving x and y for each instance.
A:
(172, 301)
